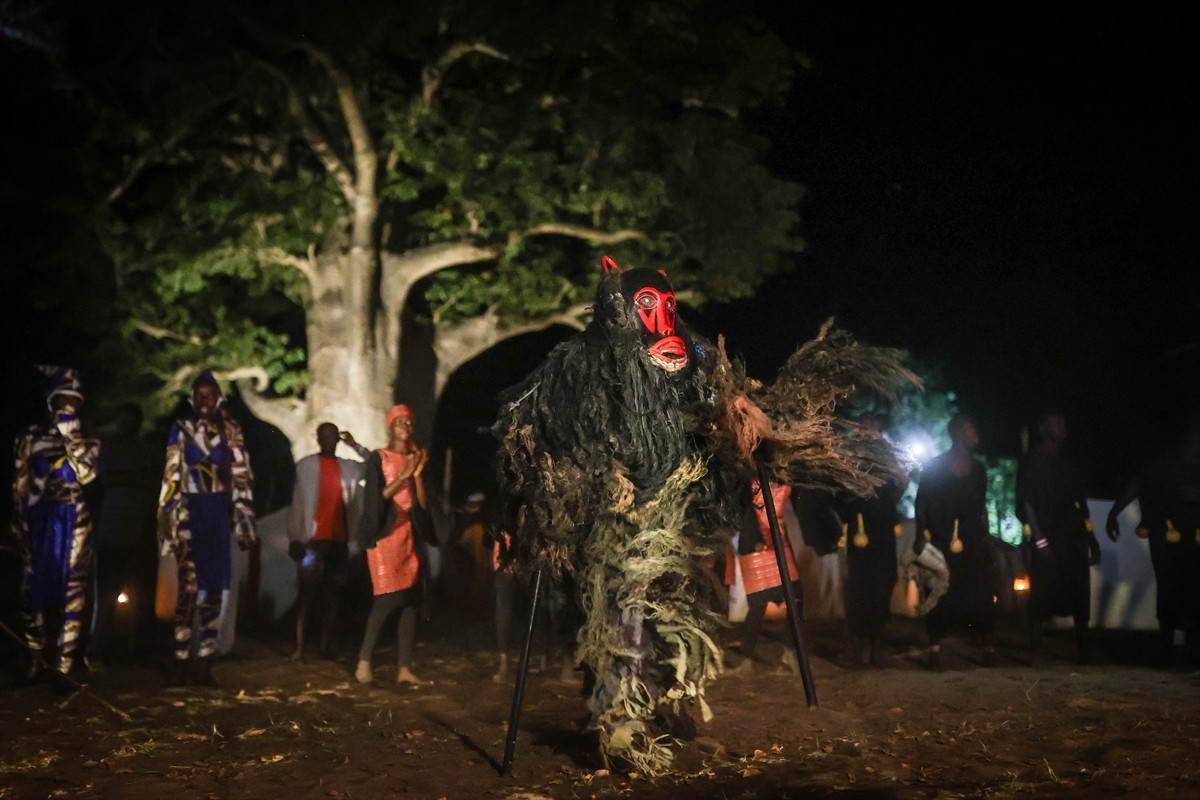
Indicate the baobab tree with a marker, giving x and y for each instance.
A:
(276, 186)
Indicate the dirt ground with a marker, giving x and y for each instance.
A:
(278, 729)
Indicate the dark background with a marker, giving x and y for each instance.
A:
(1004, 191)
(1007, 194)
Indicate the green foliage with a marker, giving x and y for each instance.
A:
(1002, 500)
(602, 115)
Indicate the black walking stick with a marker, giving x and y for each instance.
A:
(789, 597)
(514, 716)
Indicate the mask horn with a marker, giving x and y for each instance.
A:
(609, 265)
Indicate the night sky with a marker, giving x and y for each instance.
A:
(1004, 193)
(1007, 194)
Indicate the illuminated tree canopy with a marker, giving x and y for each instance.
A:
(275, 184)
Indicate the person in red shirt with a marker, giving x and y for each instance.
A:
(326, 504)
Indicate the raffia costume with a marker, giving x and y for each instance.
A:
(628, 451)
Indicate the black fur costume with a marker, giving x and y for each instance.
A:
(631, 478)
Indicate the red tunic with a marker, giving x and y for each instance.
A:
(393, 561)
(760, 571)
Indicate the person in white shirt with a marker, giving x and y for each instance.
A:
(326, 508)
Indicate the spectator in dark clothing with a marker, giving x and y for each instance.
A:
(871, 567)
(952, 515)
(1168, 490)
(1060, 542)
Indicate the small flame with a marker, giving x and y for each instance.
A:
(122, 598)
(1021, 585)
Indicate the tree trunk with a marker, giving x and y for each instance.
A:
(354, 344)
(350, 377)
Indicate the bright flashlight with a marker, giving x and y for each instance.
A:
(122, 598)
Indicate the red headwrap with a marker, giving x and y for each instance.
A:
(399, 411)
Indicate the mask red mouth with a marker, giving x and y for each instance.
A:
(669, 353)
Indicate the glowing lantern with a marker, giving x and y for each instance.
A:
(1020, 585)
(860, 538)
(122, 598)
(912, 598)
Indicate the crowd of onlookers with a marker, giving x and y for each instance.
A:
(158, 544)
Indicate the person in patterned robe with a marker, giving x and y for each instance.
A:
(393, 495)
(51, 522)
(207, 496)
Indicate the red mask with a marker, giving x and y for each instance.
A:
(651, 300)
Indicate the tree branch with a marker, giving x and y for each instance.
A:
(247, 373)
(285, 413)
(174, 381)
(365, 156)
(156, 153)
(317, 141)
(591, 235)
(455, 345)
(431, 76)
(402, 270)
(277, 255)
(139, 164)
(165, 333)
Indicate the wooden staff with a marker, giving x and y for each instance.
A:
(514, 715)
(446, 475)
(789, 597)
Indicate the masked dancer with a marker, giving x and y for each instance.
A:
(51, 522)
(207, 496)
(629, 454)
